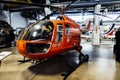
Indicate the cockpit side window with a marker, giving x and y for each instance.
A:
(67, 29)
(41, 30)
(59, 33)
(47, 31)
(33, 33)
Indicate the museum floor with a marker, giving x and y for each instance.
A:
(101, 65)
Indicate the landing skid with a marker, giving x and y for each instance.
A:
(83, 58)
(24, 60)
(33, 61)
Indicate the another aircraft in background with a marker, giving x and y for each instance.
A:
(6, 34)
(86, 32)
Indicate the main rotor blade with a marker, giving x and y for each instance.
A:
(71, 3)
(48, 15)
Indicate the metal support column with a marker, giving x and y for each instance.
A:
(96, 28)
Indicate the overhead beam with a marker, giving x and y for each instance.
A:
(93, 3)
(26, 3)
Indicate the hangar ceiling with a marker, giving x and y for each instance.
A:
(76, 6)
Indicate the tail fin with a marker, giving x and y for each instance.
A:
(87, 28)
(88, 25)
(110, 30)
(111, 33)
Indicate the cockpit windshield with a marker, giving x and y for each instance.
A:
(42, 30)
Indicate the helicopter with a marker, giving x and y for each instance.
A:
(6, 34)
(45, 39)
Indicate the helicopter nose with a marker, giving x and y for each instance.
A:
(35, 48)
(21, 46)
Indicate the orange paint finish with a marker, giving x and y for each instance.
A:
(21, 46)
(65, 36)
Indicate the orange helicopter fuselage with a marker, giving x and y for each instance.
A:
(65, 35)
